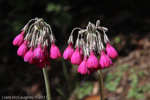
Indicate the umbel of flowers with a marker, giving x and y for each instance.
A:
(33, 42)
(89, 47)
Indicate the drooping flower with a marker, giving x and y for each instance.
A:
(83, 67)
(68, 52)
(90, 44)
(105, 61)
(81, 51)
(40, 64)
(22, 50)
(29, 56)
(54, 51)
(19, 39)
(38, 53)
(46, 56)
(111, 52)
(37, 36)
(92, 62)
(76, 57)
(47, 62)
(46, 53)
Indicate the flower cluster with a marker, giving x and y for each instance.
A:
(88, 46)
(34, 46)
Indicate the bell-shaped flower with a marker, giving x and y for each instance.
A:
(92, 62)
(105, 61)
(22, 50)
(83, 67)
(19, 39)
(68, 52)
(29, 56)
(111, 52)
(38, 53)
(54, 51)
(76, 57)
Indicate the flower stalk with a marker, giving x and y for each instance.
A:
(47, 84)
(101, 84)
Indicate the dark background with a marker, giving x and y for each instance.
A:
(128, 22)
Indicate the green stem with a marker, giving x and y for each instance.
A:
(101, 84)
(48, 93)
(65, 72)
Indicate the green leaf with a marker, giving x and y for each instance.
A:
(53, 7)
(117, 39)
(109, 77)
(125, 67)
(50, 7)
(141, 73)
(84, 90)
(131, 93)
(146, 88)
(17, 25)
(134, 79)
(140, 96)
(113, 84)
(60, 92)
(133, 70)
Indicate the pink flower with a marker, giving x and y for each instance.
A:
(45, 51)
(76, 57)
(22, 50)
(38, 53)
(92, 62)
(29, 56)
(68, 52)
(105, 61)
(40, 64)
(19, 39)
(54, 51)
(111, 52)
(83, 67)
(46, 56)
(81, 51)
(47, 62)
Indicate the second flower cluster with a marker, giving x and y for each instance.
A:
(89, 47)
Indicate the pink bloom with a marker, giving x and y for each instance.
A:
(111, 52)
(19, 39)
(81, 51)
(45, 51)
(22, 50)
(47, 62)
(38, 53)
(29, 56)
(83, 67)
(92, 62)
(40, 64)
(54, 51)
(68, 52)
(105, 61)
(46, 56)
(76, 57)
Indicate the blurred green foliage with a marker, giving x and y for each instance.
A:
(61, 16)
(84, 89)
(19, 12)
(53, 7)
(117, 40)
(136, 91)
(61, 93)
(113, 79)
